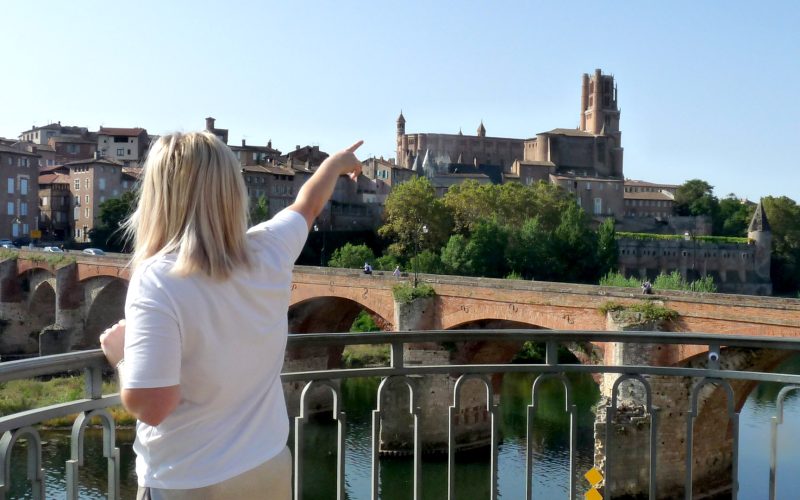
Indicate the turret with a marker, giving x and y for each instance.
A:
(481, 130)
(760, 233)
(401, 124)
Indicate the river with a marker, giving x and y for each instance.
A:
(551, 452)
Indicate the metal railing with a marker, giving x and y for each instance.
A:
(22, 425)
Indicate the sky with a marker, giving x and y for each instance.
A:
(707, 90)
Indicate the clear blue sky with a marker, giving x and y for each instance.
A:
(707, 89)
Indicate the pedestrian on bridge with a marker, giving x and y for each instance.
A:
(202, 344)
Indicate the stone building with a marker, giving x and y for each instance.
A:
(249, 154)
(590, 156)
(18, 207)
(92, 182)
(386, 171)
(70, 148)
(42, 135)
(736, 267)
(222, 133)
(648, 199)
(125, 145)
(54, 205)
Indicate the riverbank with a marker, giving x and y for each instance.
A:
(22, 395)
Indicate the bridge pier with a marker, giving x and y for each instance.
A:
(433, 394)
(69, 310)
(626, 458)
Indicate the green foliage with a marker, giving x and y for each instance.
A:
(645, 311)
(386, 263)
(113, 212)
(360, 356)
(426, 261)
(696, 197)
(21, 395)
(485, 250)
(513, 275)
(351, 256)
(410, 210)
(607, 247)
(733, 217)
(784, 218)
(405, 293)
(6, 254)
(663, 237)
(259, 211)
(54, 260)
(671, 281)
(364, 323)
(613, 278)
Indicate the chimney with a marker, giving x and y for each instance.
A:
(297, 147)
(209, 123)
(244, 143)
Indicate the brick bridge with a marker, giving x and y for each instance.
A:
(80, 295)
(53, 303)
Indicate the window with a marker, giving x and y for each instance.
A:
(23, 186)
(120, 151)
(10, 208)
(86, 212)
(77, 184)
(87, 199)
(15, 230)
(129, 151)
(10, 185)
(76, 214)
(10, 161)
(102, 184)
(77, 201)
(22, 162)
(86, 183)
(23, 208)
(44, 201)
(124, 184)
(77, 232)
(26, 229)
(598, 206)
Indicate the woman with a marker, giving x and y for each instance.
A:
(206, 323)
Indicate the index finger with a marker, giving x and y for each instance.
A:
(355, 146)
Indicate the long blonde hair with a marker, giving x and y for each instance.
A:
(192, 202)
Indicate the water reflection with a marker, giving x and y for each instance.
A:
(551, 449)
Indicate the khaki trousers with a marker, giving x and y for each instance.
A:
(271, 480)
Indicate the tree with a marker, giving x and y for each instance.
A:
(485, 251)
(259, 211)
(784, 219)
(696, 197)
(607, 247)
(733, 217)
(528, 252)
(574, 248)
(364, 323)
(410, 207)
(351, 256)
(454, 256)
(113, 212)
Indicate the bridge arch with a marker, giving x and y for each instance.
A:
(104, 299)
(330, 314)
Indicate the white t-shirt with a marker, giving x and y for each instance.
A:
(223, 343)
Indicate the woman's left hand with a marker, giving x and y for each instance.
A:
(112, 341)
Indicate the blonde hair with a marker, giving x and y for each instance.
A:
(192, 202)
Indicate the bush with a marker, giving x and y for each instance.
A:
(364, 323)
(671, 281)
(647, 308)
(351, 256)
(405, 293)
(707, 239)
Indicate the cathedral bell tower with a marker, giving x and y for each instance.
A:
(402, 141)
(599, 111)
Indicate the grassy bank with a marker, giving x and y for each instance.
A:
(21, 395)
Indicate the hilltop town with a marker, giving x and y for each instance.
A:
(76, 170)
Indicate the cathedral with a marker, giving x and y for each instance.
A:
(586, 160)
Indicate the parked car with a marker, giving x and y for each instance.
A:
(93, 251)
(6, 242)
(53, 249)
(10, 246)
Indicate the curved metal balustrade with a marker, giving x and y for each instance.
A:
(22, 425)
